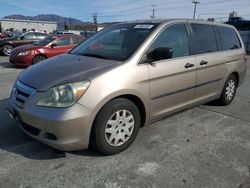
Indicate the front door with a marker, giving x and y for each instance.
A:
(60, 46)
(172, 80)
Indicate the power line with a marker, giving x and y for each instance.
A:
(195, 4)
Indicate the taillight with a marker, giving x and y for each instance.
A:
(245, 58)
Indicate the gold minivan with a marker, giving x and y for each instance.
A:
(126, 76)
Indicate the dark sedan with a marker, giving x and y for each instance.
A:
(7, 44)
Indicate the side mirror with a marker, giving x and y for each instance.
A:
(160, 54)
(22, 37)
(53, 45)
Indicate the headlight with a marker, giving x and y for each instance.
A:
(64, 95)
(24, 53)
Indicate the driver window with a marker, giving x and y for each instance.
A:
(63, 42)
(174, 37)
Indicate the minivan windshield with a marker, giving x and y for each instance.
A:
(117, 42)
(44, 41)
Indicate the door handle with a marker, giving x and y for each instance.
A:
(203, 62)
(188, 65)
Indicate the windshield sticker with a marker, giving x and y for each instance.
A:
(144, 26)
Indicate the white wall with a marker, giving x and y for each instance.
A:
(27, 24)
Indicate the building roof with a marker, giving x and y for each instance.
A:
(30, 21)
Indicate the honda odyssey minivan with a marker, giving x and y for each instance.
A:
(126, 76)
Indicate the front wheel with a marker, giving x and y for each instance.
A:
(116, 126)
(38, 58)
(7, 48)
(229, 91)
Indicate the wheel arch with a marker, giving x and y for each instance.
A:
(8, 43)
(132, 97)
(41, 54)
(236, 74)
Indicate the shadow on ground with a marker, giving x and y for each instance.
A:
(9, 65)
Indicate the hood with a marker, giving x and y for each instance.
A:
(63, 69)
(4, 40)
(25, 47)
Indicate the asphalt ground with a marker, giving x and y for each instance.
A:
(207, 146)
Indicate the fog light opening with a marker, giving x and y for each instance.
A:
(50, 136)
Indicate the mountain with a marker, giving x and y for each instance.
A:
(61, 21)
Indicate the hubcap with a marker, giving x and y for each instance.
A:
(230, 90)
(8, 49)
(119, 127)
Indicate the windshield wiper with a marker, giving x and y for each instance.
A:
(95, 55)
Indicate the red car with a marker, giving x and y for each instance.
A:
(50, 46)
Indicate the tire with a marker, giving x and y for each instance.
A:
(105, 134)
(7, 48)
(36, 59)
(229, 91)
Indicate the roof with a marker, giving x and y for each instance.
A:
(66, 35)
(160, 21)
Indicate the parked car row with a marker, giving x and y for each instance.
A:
(50, 46)
(9, 43)
(32, 47)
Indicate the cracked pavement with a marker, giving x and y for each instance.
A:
(207, 146)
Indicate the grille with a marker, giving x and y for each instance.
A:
(21, 93)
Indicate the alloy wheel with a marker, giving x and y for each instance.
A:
(7, 49)
(230, 89)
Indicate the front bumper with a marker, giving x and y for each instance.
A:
(66, 129)
(21, 61)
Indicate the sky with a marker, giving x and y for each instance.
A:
(123, 10)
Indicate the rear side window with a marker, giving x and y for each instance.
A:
(29, 36)
(77, 40)
(229, 38)
(40, 35)
(204, 40)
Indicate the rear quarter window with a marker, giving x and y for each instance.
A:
(229, 38)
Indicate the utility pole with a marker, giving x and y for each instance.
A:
(95, 20)
(153, 11)
(195, 4)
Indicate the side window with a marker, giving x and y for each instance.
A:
(77, 40)
(204, 40)
(29, 36)
(63, 41)
(40, 35)
(174, 37)
(229, 38)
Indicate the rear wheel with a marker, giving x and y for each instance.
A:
(38, 58)
(229, 91)
(116, 126)
(7, 48)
